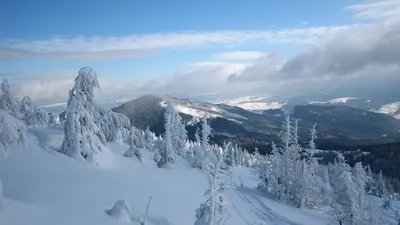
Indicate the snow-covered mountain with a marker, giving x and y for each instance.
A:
(345, 125)
(254, 103)
(392, 109)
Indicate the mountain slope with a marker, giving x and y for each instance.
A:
(340, 124)
(392, 109)
(44, 187)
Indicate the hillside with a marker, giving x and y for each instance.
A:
(338, 124)
(44, 187)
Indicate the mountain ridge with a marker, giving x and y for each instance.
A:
(335, 123)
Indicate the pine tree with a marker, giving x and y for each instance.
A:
(114, 126)
(383, 191)
(215, 210)
(326, 190)
(167, 152)
(313, 136)
(32, 115)
(149, 139)
(345, 203)
(136, 142)
(7, 102)
(370, 186)
(360, 179)
(83, 139)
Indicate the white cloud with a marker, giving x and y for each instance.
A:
(239, 55)
(14, 53)
(376, 10)
(173, 40)
(346, 54)
(212, 64)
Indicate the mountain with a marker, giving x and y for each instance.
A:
(392, 109)
(335, 124)
(385, 105)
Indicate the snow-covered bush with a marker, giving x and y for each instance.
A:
(83, 138)
(12, 131)
(121, 211)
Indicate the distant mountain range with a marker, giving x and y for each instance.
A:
(335, 123)
(390, 105)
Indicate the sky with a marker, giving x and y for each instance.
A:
(200, 48)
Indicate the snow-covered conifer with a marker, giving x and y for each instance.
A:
(167, 152)
(313, 136)
(370, 186)
(360, 179)
(136, 142)
(205, 133)
(175, 129)
(215, 210)
(345, 203)
(7, 101)
(31, 114)
(83, 138)
(326, 190)
(114, 126)
(383, 191)
(149, 138)
(203, 145)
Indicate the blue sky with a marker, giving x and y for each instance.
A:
(137, 40)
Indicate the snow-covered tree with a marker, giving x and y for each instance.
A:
(345, 205)
(326, 190)
(31, 114)
(205, 133)
(114, 126)
(83, 138)
(136, 142)
(383, 191)
(360, 179)
(230, 156)
(313, 136)
(167, 153)
(175, 129)
(371, 187)
(149, 138)
(215, 210)
(202, 144)
(7, 101)
(12, 131)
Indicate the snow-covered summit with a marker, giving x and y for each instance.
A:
(392, 109)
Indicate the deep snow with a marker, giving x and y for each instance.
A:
(43, 187)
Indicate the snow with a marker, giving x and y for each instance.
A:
(256, 106)
(390, 109)
(42, 186)
(253, 103)
(200, 111)
(334, 101)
